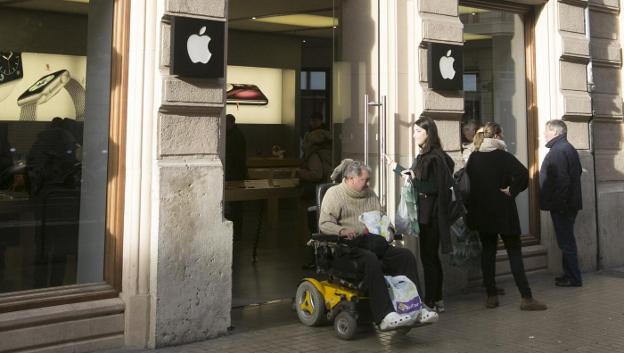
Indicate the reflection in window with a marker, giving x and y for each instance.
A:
(53, 143)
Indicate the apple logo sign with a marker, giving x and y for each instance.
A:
(446, 66)
(197, 47)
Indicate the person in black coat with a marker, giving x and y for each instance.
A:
(496, 178)
(431, 175)
(560, 193)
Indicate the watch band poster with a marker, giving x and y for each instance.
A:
(39, 88)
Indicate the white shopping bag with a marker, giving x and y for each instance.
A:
(404, 295)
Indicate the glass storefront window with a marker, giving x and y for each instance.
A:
(495, 81)
(54, 116)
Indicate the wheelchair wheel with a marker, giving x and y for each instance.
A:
(345, 325)
(310, 304)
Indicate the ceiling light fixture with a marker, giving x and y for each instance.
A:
(301, 20)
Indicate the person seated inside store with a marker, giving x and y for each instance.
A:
(317, 154)
(340, 211)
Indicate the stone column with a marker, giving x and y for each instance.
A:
(191, 244)
(439, 22)
(608, 130)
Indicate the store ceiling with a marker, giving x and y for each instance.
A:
(63, 6)
(243, 12)
(240, 14)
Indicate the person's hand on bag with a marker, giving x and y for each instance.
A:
(348, 233)
(407, 174)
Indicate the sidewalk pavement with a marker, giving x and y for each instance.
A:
(586, 319)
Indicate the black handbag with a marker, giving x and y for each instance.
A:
(462, 182)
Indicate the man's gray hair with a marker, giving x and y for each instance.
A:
(558, 126)
(349, 168)
(355, 168)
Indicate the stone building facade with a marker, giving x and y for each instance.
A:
(176, 277)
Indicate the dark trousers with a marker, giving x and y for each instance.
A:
(513, 245)
(395, 262)
(234, 213)
(429, 239)
(564, 229)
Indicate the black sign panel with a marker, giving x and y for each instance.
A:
(445, 67)
(197, 48)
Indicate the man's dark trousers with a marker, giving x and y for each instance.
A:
(564, 229)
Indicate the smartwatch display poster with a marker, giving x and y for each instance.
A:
(197, 47)
(445, 67)
(36, 86)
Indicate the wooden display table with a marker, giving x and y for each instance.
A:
(270, 190)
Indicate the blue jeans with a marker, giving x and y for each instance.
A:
(564, 229)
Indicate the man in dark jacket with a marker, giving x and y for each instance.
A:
(560, 193)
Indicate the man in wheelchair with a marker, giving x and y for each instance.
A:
(373, 256)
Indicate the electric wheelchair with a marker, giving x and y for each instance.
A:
(340, 296)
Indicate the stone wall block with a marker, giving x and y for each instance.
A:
(603, 25)
(573, 76)
(439, 7)
(571, 18)
(576, 104)
(606, 51)
(423, 62)
(607, 105)
(612, 5)
(449, 132)
(585, 225)
(165, 45)
(442, 103)
(607, 80)
(182, 92)
(611, 222)
(608, 135)
(578, 134)
(442, 29)
(187, 135)
(194, 271)
(212, 8)
(610, 166)
(574, 45)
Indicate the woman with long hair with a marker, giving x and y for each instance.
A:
(496, 178)
(431, 176)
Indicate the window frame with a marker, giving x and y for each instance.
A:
(113, 250)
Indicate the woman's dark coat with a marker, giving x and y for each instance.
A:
(489, 209)
(436, 166)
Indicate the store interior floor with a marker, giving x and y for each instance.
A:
(278, 269)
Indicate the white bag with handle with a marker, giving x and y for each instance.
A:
(404, 295)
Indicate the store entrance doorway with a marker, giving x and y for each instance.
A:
(297, 72)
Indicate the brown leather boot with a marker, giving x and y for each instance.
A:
(530, 304)
(491, 302)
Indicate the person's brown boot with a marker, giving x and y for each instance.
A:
(530, 304)
(491, 302)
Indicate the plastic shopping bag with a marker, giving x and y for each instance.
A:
(404, 295)
(376, 223)
(466, 245)
(406, 218)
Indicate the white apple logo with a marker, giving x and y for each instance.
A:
(197, 47)
(446, 66)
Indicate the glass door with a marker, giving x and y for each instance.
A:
(495, 80)
(357, 109)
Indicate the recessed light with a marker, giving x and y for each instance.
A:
(253, 18)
